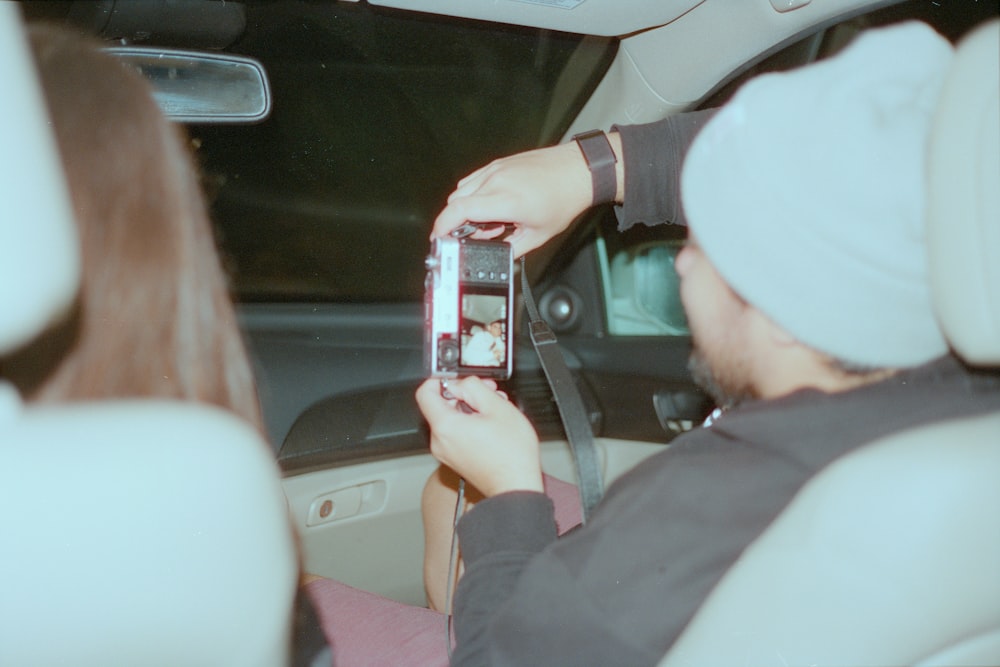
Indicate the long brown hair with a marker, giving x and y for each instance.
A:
(154, 317)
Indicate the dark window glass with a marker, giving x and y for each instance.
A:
(376, 115)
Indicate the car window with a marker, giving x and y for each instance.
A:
(641, 287)
(377, 114)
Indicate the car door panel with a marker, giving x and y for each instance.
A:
(372, 508)
(304, 353)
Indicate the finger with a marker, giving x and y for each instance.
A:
(472, 182)
(517, 242)
(488, 232)
(457, 213)
(492, 206)
(450, 217)
(461, 210)
(478, 174)
(523, 241)
(480, 394)
(433, 406)
(455, 393)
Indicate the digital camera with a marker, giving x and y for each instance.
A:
(468, 318)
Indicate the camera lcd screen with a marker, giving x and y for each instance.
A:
(484, 330)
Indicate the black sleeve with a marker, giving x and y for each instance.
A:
(619, 590)
(653, 154)
(498, 537)
(527, 598)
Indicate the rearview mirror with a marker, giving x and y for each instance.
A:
(200, 87)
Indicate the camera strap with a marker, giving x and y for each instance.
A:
(568, 400)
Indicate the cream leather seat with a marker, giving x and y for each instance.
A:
(131, 532)
(892, 555)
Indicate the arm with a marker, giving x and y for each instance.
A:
(653, 155)
(542, 191)
(499, 537)
(521, 598)
(596, 596)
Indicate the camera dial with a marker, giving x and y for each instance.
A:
(448, 354)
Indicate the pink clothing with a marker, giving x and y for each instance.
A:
(368, 630)
(566, 499)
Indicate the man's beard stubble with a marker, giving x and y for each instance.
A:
(723, 383)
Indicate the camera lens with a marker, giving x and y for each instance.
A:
(448, 354)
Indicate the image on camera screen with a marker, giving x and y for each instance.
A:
(484, 334)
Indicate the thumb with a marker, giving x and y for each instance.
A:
(431, 403)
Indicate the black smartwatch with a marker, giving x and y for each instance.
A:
(601, 161)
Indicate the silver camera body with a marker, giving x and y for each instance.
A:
(468, 313)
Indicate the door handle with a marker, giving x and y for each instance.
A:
(680, 410)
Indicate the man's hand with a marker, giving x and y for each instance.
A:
(540, 191)
(495, 448)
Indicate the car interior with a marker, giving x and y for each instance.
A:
(338, 354)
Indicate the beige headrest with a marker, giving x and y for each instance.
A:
(39, 261)
(964, 199)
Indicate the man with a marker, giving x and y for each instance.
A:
(485, 347)
(805, 286)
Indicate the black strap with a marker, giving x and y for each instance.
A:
(568, 400)
(601, 160)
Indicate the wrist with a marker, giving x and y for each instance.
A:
(574, 181)
(521, 481)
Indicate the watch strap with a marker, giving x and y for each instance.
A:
(601, 161)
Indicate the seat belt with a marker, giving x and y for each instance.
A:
(567, 397)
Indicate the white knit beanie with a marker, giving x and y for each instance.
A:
(806, 192)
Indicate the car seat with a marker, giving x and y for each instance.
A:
(891, 556)
(133, 532)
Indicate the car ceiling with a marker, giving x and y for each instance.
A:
(672, 54)
(218, 19)
(590, 17)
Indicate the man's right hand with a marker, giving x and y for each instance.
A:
(540, 191)
(493, 446)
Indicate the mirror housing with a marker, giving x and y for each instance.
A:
(201, 87)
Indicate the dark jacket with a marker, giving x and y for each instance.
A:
(620, 590)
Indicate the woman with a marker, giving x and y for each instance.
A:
(153, 317)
